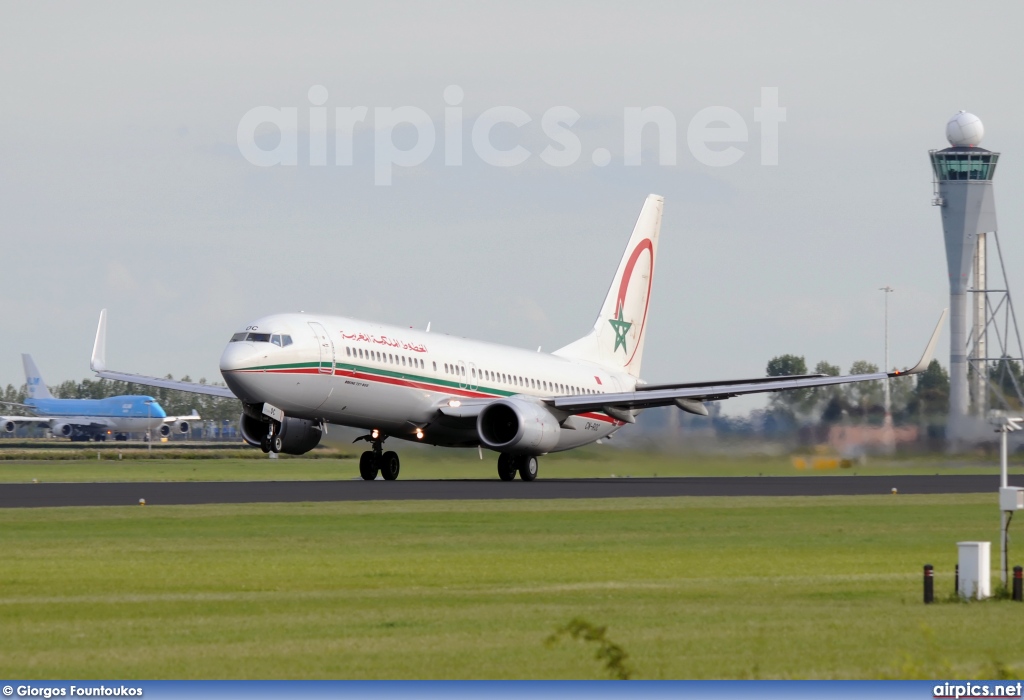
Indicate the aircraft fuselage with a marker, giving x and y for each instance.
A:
(373, 376)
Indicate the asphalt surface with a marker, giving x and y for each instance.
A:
(195, 492)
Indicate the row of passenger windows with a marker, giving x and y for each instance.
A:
(277, 339)
(475, 374)
(386, 358)
(517, 380)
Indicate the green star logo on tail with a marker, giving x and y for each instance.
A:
(621, 328)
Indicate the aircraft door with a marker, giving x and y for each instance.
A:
(473, 377)
(463, 375)
(326, 346)
(316, 389)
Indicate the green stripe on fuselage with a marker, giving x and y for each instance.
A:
(360, 369)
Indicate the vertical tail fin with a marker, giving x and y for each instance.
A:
(36, 386)
(617, 340)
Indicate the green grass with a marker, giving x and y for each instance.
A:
(419, 462)
(689, 587)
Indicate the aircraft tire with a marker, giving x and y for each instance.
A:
(276, 443)
(528, 467)
(389, 466)
(367, 466)
(506, 467)
(265, 445)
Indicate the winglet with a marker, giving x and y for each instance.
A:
(99, 347)
(929, 351)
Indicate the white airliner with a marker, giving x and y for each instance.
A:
(297, 373)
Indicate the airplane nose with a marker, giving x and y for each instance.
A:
(236, 358)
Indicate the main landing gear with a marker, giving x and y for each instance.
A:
(508, 465)
(375, 459)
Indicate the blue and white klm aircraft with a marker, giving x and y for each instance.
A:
(85, 419)
(297, 373)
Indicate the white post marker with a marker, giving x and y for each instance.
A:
(975, 570)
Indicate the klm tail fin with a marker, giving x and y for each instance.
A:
(36, 386)
(617, 340)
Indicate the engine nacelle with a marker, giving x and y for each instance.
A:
(298, 436)
(179, 427)
(164, 430)
(516, 426)
(8, 426)
(63, 429)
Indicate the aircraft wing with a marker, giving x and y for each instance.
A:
(691, 397)
(192, 387)
(98, 364)
(193, 416)
(34, 420)
(9, 423)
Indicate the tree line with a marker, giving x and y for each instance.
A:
(920, 399)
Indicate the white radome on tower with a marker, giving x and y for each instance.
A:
(964, 129)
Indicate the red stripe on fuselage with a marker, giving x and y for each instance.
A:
(394, 381)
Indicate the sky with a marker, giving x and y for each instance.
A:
(123, 184)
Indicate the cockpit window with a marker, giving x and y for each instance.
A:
(278, 339)
(251, 337)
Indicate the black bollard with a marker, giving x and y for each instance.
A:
(929, 584)
(956, 580)
(1018, 583)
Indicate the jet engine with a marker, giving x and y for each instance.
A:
(298, 436)
(517, 426)
(8, 426)
(179, 427)
(63, 429)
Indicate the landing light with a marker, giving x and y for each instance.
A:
(454, 403)
(419, 434)
(375, 433)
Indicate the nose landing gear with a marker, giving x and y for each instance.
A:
(375, 459)
(271, 442)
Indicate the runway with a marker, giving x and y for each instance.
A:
(197, 492)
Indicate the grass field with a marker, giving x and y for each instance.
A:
(690, 588)
(419, 462)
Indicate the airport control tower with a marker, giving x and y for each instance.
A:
(963, 177)
(980, 376)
